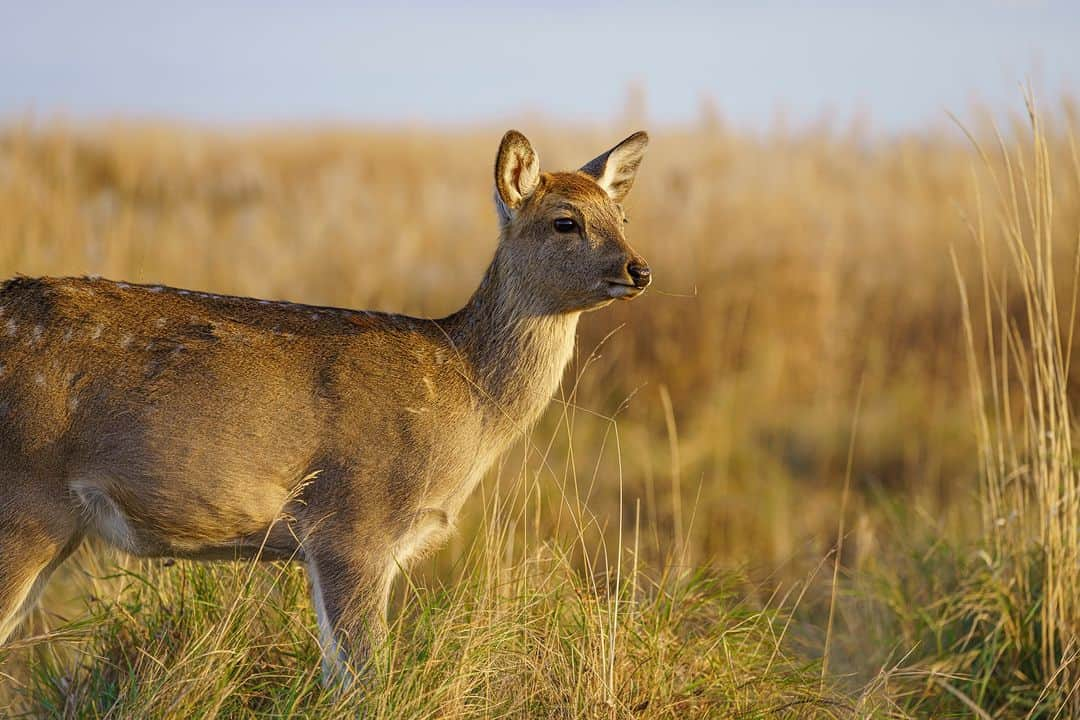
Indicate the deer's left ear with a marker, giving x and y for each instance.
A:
(517, 173)
(616, 169)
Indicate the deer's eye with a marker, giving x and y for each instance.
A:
(565, 225)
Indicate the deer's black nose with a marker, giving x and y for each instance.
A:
(639, 272)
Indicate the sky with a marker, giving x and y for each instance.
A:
(900, 64)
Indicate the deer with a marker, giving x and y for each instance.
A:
(172, 423)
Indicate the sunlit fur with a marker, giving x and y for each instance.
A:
(174, 422)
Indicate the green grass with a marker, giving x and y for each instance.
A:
(528, 639)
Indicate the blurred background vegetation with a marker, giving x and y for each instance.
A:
(798, 385)
(792, 270)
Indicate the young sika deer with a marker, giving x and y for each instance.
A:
(178, 423)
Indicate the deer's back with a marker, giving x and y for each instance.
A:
(206, 411)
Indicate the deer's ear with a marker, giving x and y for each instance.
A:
(616, 169)
(517, 173)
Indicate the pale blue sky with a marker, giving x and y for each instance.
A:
(903, 63)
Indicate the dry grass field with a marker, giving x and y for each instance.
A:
(856, 348)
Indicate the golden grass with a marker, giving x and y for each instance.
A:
(1020, 380)
(707, 424)
(787, 269)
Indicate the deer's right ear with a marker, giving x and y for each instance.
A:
(616, 169)
(517, 173)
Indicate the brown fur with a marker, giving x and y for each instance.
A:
(178, 423)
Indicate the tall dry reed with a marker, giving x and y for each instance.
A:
(1020, 376)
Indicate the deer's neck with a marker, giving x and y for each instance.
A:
(517, 348)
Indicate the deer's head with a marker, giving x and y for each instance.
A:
(562, 237)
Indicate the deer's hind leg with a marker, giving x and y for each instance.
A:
(38, 530)
(350, 590)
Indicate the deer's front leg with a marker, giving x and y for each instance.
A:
(350, 588)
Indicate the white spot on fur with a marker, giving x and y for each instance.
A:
(36, 336)
(68, 333)
(97, 332)
(429, 525)
(161, 322)
(104, 517)
(183, 292)
(264, 302)
(12, 327)
(315, 316)
(126, 341)
(157, 289)
(39, 378)
(122, 285)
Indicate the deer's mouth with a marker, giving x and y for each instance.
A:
(623, 290)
